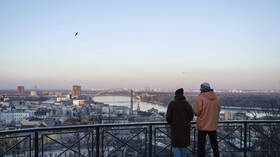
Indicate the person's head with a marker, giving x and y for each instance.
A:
(205, 87)
(179, 92)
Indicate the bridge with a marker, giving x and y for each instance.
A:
(151, 139)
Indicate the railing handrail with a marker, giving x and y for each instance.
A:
(71, 127)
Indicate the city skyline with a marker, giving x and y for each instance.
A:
(133, 44)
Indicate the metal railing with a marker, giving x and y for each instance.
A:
(236, 138)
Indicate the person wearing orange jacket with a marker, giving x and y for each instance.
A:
(207, 109)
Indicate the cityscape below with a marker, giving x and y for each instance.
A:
(21, 108)
(121, 109)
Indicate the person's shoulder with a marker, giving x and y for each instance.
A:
(200, 96)
(171, 102)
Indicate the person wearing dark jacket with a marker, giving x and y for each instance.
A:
(179, 115)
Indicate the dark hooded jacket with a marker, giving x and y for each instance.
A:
(179, 114)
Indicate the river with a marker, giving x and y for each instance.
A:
(144, 106)
(125, 101)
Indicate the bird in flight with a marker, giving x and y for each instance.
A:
(77, 33)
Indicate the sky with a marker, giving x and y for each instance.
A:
(140, 43)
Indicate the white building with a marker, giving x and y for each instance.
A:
(6, 104)
(78, 102)
(119, 109)
(15, 115)
(33, 93)
(61, 98)
(105, 109)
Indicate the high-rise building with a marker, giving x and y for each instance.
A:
(76, 91)
(20, 90)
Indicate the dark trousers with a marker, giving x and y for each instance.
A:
(201, 143)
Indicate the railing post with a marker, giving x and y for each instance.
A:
(79, 145)
(194, 143)
(97, 141)
(245, 139)
(30, 146)
(92, 147)
(150, 140)
(36, 144)
(42, 146)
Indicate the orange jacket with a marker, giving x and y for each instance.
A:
(207, 109)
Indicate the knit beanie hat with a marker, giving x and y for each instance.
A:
(205, 85)
(179, 91)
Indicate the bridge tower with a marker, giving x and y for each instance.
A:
(131, 102)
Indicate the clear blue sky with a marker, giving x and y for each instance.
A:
(140, 43)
